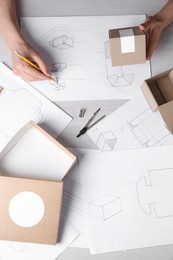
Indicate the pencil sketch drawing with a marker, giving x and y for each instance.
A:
(105, 207)
(62, 42)
(58, 67)
(155, 193)
(16, 109)
(145, 129)
(106, 141)
(57, 40)
(72, 198)
(115, 75)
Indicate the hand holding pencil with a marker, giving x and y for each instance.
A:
(24, 69)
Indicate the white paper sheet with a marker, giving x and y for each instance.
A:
(133, 125)
(20, 103)
(73, 207)
(128, 198)
(20, 251)
(73, 204)
(76, 50)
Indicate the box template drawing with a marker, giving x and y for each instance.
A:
(33, 153)
(158, 92)
(127, 46)
(105, 207)
(30, 210)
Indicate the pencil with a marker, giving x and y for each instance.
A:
(31, 63)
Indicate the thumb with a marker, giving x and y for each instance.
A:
(146, 26)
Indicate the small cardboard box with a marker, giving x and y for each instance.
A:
(127, 46)
(30, 210)
(158, 92)
(33, 153)
(32, 166)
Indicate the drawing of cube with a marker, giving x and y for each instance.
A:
(105, 207)
(57, 67)
(62, 42)
(106, 141)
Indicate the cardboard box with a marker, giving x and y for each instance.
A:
(158, 92)
(30, 210)
(127, 46)
(32, 166)
(33, 153)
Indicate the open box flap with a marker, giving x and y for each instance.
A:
(166, 112)
(149, 96)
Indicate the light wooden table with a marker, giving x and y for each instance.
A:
(162, 60)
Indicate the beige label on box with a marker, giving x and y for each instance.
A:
(127, 40)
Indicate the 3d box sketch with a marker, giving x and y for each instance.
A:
(106, 141)
(62, 42)
(57, 40)
(155, 193)
(105, 207)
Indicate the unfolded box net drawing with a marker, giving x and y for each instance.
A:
(145, 129)
(12, 117)
(155, 193)
(105, 207)
(116, 75)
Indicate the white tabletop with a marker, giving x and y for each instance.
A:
(161, 60)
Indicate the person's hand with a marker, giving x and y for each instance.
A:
(153, 28)
(23, 69)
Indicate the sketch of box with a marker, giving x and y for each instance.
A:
(105, 207)
(106, 141)
(62, 42)
(58, 67)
